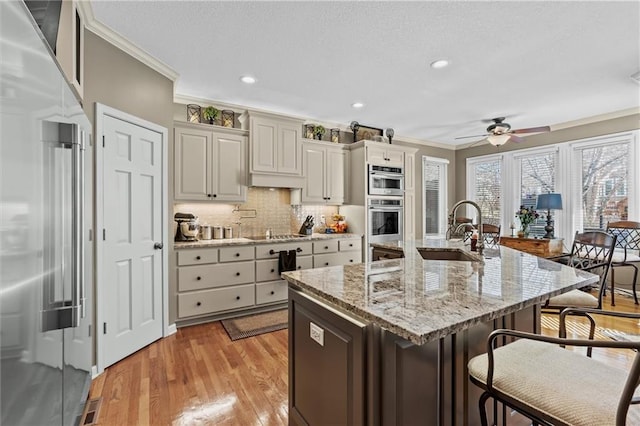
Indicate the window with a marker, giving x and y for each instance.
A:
(598, 178)
(484, 186)
(434, 190)
(602, 183)
(537, 176)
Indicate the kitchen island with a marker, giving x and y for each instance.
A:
(388, 342)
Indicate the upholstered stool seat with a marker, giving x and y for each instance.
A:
(551, 385)
(574, 299)
(552, 380)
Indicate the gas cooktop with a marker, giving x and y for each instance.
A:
(279, 237)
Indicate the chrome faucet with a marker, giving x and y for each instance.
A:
(480, 244)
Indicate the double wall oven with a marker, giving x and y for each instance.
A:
(385, 219)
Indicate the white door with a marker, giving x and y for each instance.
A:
(131, 289)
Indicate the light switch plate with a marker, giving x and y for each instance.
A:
(316, 333)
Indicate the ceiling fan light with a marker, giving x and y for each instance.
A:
(497, 140)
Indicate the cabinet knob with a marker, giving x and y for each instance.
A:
(197, 257)
(198, 278)
(299, 267)
(237, 274)
(273, 292)
(351, 260)
(272, 270)
(350, 245)
(326, 264)
(272, 251)
(209, 195)
(237, 297)
(198, 303)
(215, 195)
(237, 254)
(299, 250)
(326, 247)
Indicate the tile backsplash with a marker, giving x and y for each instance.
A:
(265, 208)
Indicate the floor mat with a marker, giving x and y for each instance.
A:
(252, 325)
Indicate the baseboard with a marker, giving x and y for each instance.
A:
(171, 329)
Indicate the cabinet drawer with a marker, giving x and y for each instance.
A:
(235, 254)
(270, 251)
(325, 260)
(350, 245)
(267, 270)
(197, 256)
(209, 276)
(219, 299)
(271, 292)
(326, 246)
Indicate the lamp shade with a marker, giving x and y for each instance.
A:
(549, 202)
(497, 140)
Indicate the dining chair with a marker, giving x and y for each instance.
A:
(591, 251)
(627, 251)
(491, 234)
(552, 385)
(459, 227)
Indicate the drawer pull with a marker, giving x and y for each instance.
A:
(272, 251)
(350, 245)
(237, 274)
(198, 278)
(351, 260)
(198, 303)
(326, 264)
(299, 250)
(326, 247)
(299, 267)
(273, 292)
(272, 270)
(237, 297)
(237, 254)
(197, 257)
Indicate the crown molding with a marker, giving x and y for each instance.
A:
(596, 118)
(103, 31)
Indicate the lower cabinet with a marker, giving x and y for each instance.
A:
(327, 365)
(219, 281)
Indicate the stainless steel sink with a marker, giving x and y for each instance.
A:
(448, 254)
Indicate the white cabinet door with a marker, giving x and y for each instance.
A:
(264, 149)
(314, 165)
(337, 173)
(289, 149)
(385, 156)
(409, 215)
(229, 167)
(192, 174)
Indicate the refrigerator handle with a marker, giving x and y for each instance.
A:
(78, 296)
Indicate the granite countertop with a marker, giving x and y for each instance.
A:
(422, 300)
(259, 240)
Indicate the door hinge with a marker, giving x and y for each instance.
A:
(104, 328)
(90, 234)
(89, 330)
(103, 141)
(104, 234)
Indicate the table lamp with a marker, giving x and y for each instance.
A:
(549, 202)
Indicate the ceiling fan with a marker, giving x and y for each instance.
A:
(499, 132)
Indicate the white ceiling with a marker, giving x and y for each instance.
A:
(537, 63)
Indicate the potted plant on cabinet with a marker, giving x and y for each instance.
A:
(210, 114)
(319, 131)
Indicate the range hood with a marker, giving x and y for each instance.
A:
(275, 181)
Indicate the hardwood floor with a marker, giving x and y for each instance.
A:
(199, 376)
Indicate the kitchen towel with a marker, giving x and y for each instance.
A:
(286, 261)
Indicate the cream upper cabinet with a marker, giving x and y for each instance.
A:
(326, 174)
(275, 148)
(385, 155)
(209, 165)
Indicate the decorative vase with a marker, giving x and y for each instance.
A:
(524, 232)
(520, 234)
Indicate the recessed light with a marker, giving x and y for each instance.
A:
(440, 63)
(357, 105)
(247, 79)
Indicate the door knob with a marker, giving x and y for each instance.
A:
(158, 246)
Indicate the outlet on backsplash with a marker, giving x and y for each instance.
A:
(273, 210)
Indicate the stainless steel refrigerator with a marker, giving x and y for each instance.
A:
(45, 218)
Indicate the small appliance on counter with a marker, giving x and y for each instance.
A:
(188, 227)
